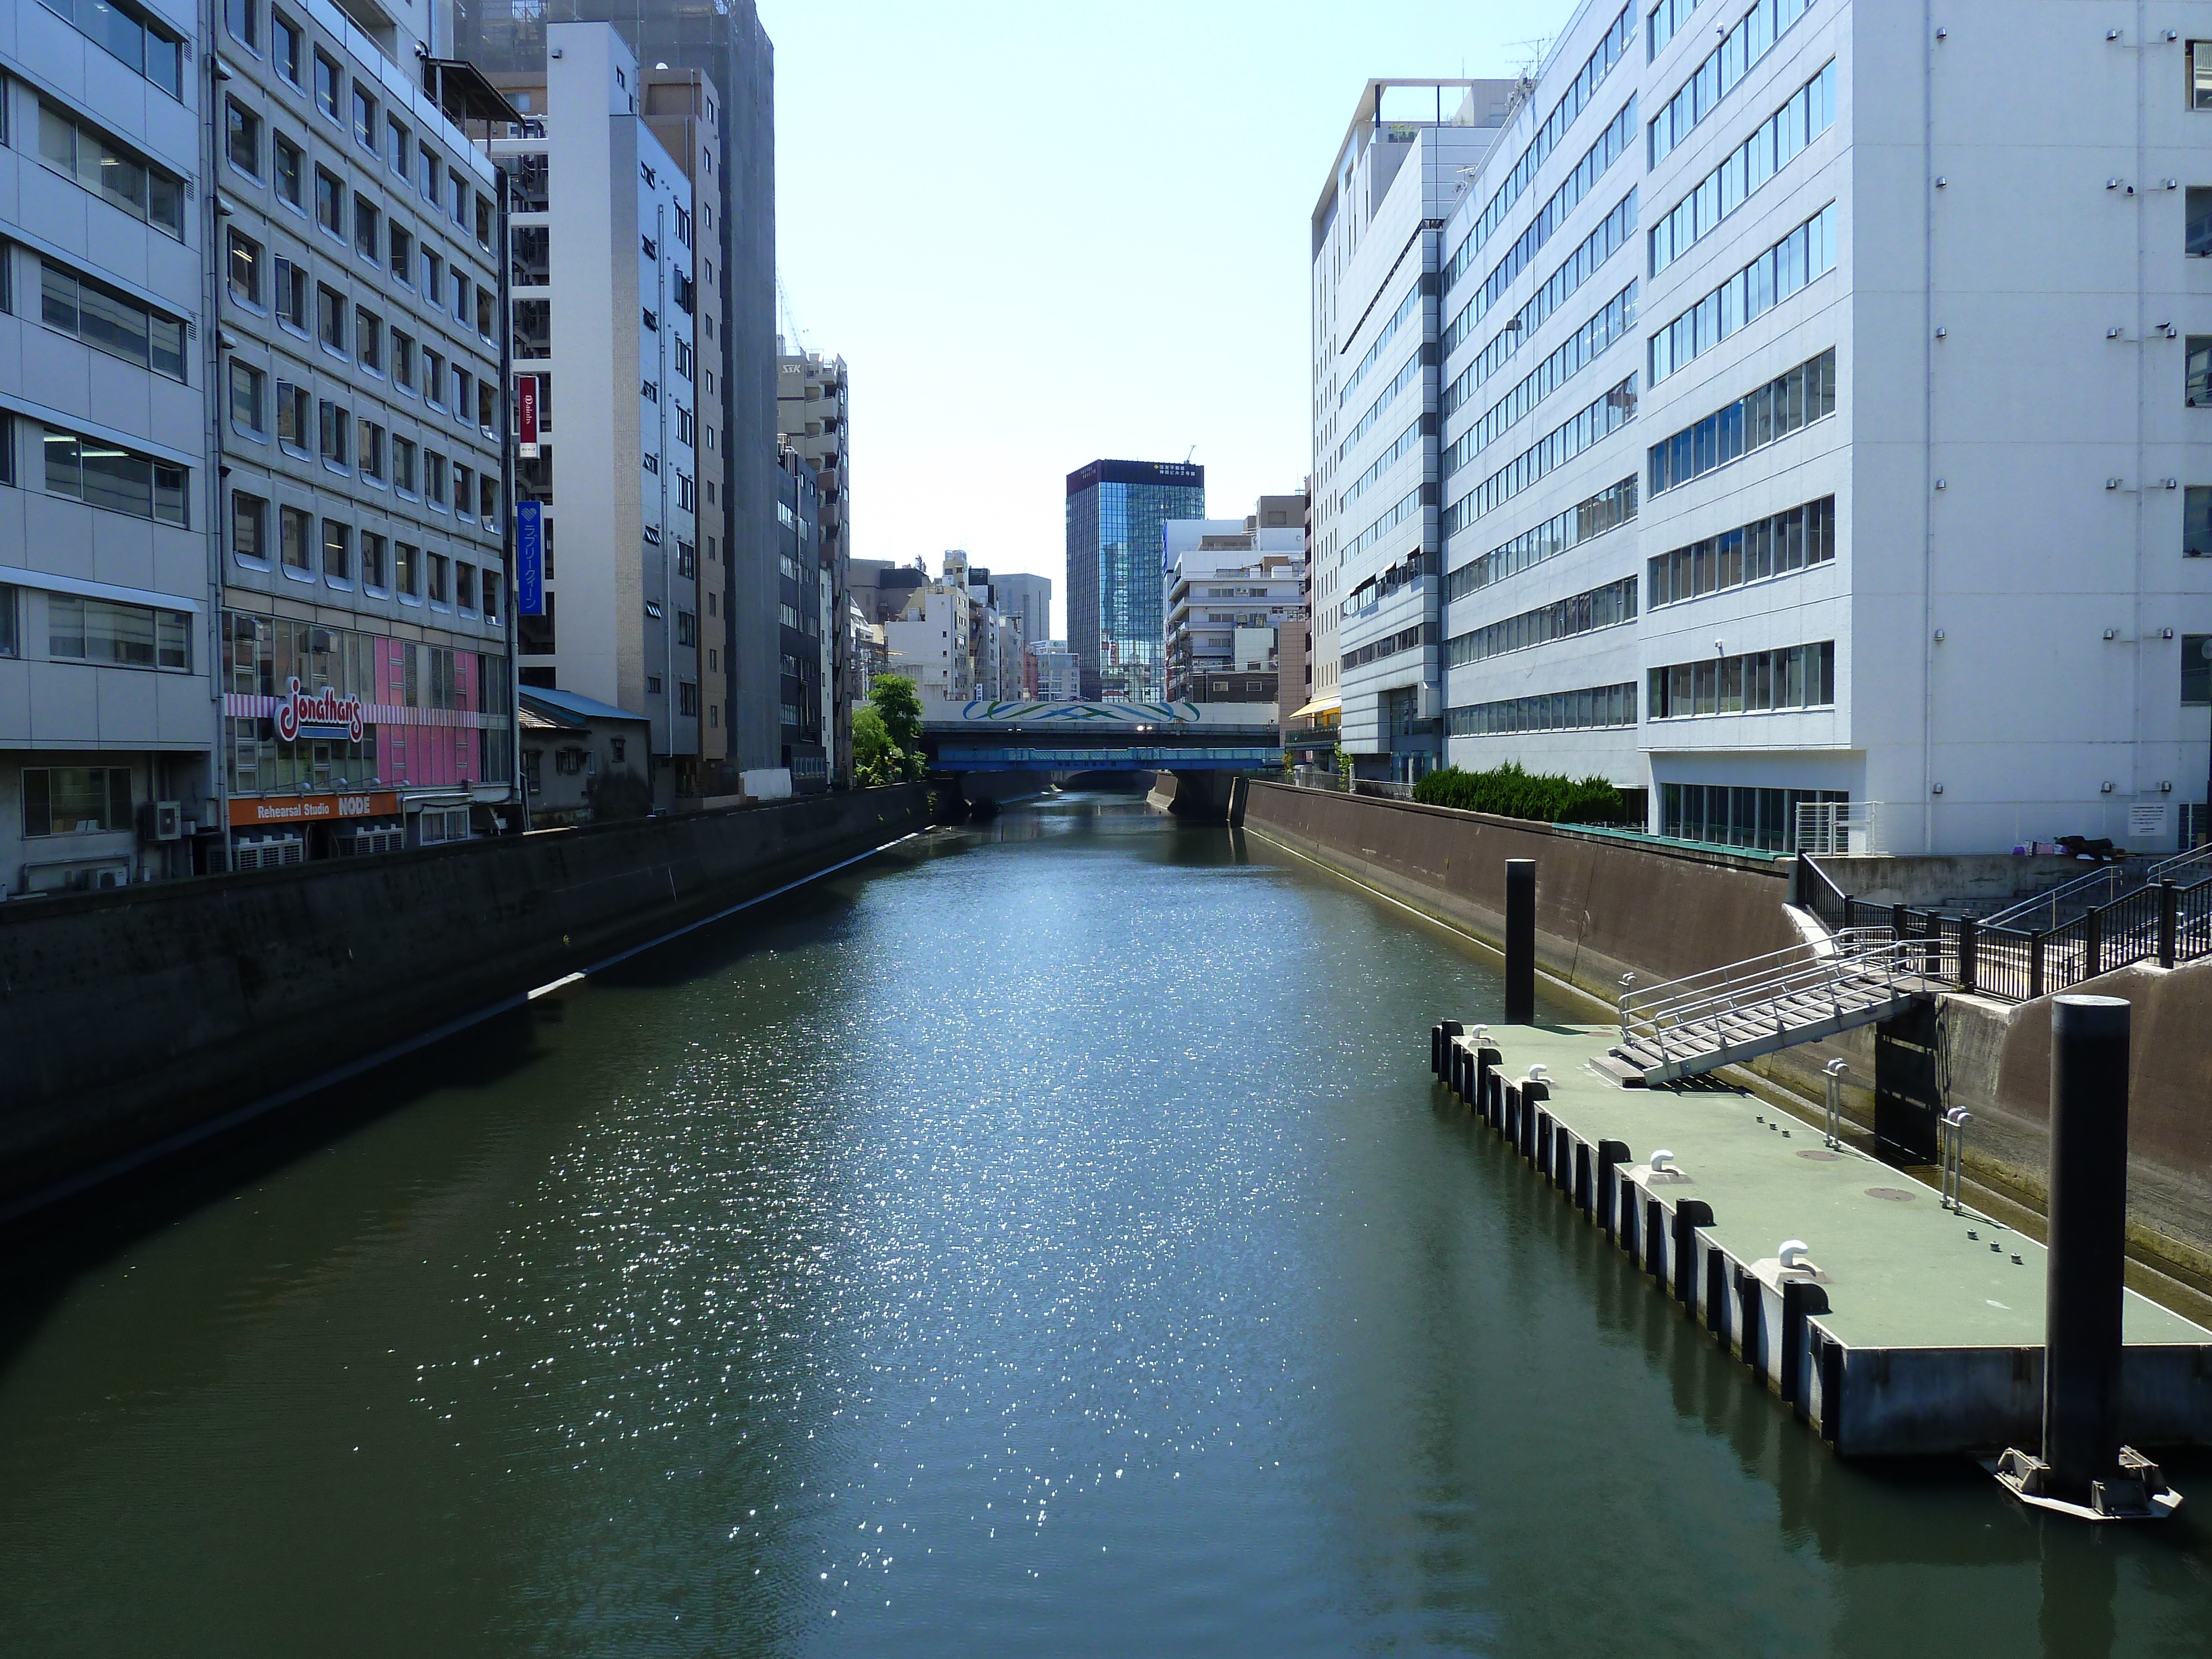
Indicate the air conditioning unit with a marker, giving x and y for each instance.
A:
(161, 820)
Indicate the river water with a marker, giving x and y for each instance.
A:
(1044, 1239)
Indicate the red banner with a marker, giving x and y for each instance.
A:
(526, 410)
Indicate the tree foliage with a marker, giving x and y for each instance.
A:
(875, 758)
(1510, 792)
(887, 733)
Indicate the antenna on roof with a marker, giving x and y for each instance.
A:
(1188, 453)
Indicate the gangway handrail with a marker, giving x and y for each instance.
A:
(1762, 988)
(1842, 942)
(2108, 873)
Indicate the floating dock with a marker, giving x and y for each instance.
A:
(1903, 1328)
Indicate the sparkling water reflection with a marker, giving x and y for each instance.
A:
(1044, 1240)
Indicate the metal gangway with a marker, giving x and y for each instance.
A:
(1688, 1026)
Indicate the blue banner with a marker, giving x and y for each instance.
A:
(530, 558)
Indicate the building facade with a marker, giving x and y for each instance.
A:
(1229, 588)
(1114, 512)
(111, 630)
(735, 249)
(1027, 599)
(1377, 259)
(365, 673)
(803, 621)
(929, 641)
(1750, 496)
(605, 239)
(1055, 672)
(813, 414)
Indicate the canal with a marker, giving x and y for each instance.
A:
(1044, 1239)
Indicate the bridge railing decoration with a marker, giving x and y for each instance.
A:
(998, 710)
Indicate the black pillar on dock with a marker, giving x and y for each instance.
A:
(2088, 1241)
(1521, 941)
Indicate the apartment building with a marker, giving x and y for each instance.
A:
(803, 616)
(929, 641)
(108, 621)
(1055, 674)
(1752, 496)
(1376, 254)
(813, 412)
(1228, 588)
(735, 265)
(365, 672)
(604, 248)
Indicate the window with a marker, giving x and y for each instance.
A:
(687, 697)
(327, 87)
(2196, 522)
(243, 262)
(465, 587)
(118, 635)
(1795, 676)
(1793, 540)
(291, 170)
(331, 317)
(1591, 708)
(104, 474)
(464, 488)
(488, 407)
(291, 299)
(247, 385)
(330, 201)
(434, 275)
(426, 176)
(400, 244)
(293, 526)
(2199, 391)
(243, 19)
(433, 478)
(109, 320)
(118, 176)
(406, 568)
(487, 498)
(460, 296)
(687, 566)
(438, 565)
(2196, 669)
(364, 118)
(687, 628)
(1736, 816)
(402, 361)
(366, 220)
(8, 644)
(1807, 394)
(292, 415)
(483, 222)
(82, 800)
(337, 550)
(457, 197)
(402, 465)
(241, 138)
(130, 37)
(491, 597)
(486, 309)
(687, 493)
(2200, 74)
(433, 378)
(249, 527)
(372, 559)
(336, 427)
(1809, 252)
(368, 444)
(368, 339)
(461, 395)
(284, 46)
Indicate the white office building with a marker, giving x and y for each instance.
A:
(106, 613)
(1783, 457)
(1057, 671)
(1228, 587)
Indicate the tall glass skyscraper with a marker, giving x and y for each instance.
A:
(1114, 560)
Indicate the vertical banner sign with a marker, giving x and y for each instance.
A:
(530, 558)
(526, 410)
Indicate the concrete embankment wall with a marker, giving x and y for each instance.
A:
(134, 1018)
(1605, 906)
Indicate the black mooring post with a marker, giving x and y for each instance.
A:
(2088, 1241)
(1520, 941)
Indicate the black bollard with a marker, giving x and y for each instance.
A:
(1520, 941)
(2088, 1243)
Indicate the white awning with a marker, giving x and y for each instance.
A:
(1319, 706)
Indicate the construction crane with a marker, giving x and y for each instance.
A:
(790, 320)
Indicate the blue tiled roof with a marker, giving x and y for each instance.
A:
(568, 707)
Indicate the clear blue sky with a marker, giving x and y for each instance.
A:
(1042, 233)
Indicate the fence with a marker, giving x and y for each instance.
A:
(2161, 922)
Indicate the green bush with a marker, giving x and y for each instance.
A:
(875, 758)
(898, 705)
(1511, 793)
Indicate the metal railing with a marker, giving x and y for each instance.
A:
(1380, 787)
(1840, 827)
(1781, 990)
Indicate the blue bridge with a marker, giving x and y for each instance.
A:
(997, 748)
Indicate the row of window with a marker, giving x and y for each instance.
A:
(1592, 708)
(1581, 613)
(263, 655)
(345, 442)
(1599, 65)
(355, 107)
(1577, 352)
(1562, 532)
(1404, 378)
(1398, 319)
(1404, 445)
(133, 37)
(104, 318)
(1755, 32)
(1606, 414)
(1517, 329)
(1663, 20)
(1773, 546)
(344, 555)
(103, 632)
(107, 475)
(1412, 503)
(1734, 816)
(1807, 394)
(1806, 253)
(1809, 114)
(76, 800)
(1757, 682)
(1406, 639)
(1601, 155)
(111, 170)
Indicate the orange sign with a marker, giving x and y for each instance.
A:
(310, 809)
